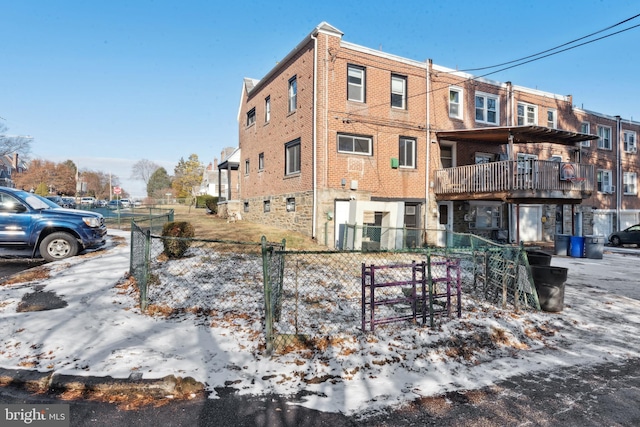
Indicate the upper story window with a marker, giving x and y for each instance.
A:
(604, 137)
(355, 83)
(251, 117)
(455, 103)
(246, 167)
(527, 114)
(293, 94)
(292, 157)
(487, 108)
(604, 180)
(261, 161)
(355, 144)
(630, 183)
(398, 91)
(585, 127)
(552, 118)
(629, 141)
(407, 152)
(267, 109)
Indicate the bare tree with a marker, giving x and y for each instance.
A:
(13, 143)
(143, 169)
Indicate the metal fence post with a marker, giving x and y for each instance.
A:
(268, 313)
(144, 301)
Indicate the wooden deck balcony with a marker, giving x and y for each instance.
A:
(519, 181)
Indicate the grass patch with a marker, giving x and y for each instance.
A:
(212, 227)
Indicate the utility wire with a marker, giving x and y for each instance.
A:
(554, 48)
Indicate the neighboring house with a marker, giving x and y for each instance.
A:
(229, 203)
(355, 146)
(9, 165)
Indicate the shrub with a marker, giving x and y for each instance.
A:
(175, 248)
(208, 201)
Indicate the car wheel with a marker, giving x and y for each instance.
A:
(58, 245)
(615, 241)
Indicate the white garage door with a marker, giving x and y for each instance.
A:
(530, 223)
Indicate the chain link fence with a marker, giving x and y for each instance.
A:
(301, 296)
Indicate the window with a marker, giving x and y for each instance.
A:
(527, 114)
(487, 216)
(293, 94)
(291, 204)
(481, 158)
(556, 158)
(630, 183)
(552, 118)
(629, 141)
(407, 152)
(355, 83)
(267, 109)
(246, 206)
(604, 181)
(585, 128)
(354, 144)
(261, 161)
(292, 157)
(487, 108)
(251, 117)
(455, 103)
(604, 137)
(246, 167)
(398, 91)
(266, 206)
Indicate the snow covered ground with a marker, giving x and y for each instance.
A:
(102, 332)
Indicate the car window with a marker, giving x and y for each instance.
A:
(37, 202)
(9, 203)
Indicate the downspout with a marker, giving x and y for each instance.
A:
(427, 168)
(618, 172)
(314, 208)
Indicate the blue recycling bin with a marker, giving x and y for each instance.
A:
(576, 248)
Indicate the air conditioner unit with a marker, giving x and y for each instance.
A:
(633, 150)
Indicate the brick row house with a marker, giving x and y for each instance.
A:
(355, 146)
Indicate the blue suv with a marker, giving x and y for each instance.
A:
(28, 221)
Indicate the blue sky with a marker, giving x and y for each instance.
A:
(106, 84)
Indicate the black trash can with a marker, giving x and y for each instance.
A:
(538, 258)
(549, 282)
(561, 245)
(593, 247)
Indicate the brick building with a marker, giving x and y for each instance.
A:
(355, 146)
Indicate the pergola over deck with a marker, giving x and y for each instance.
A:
(517, 181)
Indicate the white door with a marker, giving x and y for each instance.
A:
(341, 217)
(530, 223)
(445, 224)
(602, 224)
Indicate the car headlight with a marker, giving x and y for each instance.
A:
(91, 221)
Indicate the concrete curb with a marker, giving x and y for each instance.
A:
(49, 381)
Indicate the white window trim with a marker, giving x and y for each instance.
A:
(474, 205)
(554, 124)
(631, 146)
(292, 96)
(525, 118)
(402, 79)
(486, 96)
(605, 188)
(370, 139)
(362, 85)
(600, 141)
(630, 176)
(588, 131)
(460, 103)
(267, 109)
(413, 152)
